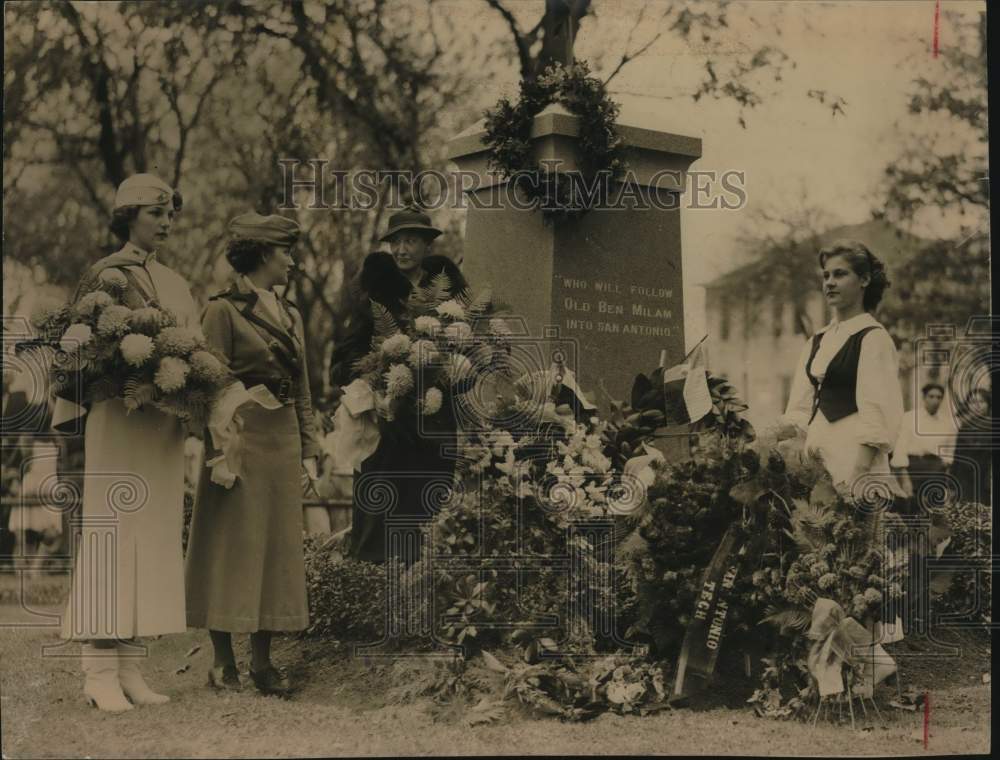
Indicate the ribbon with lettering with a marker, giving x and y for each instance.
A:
(700, 649)
(703, 637)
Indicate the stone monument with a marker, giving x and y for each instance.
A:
(610, 280)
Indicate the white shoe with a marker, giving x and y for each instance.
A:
(131, 679)
(101, 687)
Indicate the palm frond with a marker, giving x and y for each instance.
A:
(427, 298)
(481, 305)
(385, 323)
(789, 620)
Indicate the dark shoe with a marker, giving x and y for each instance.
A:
(272, 681)
(225, 678)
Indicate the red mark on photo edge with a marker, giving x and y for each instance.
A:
(927, 717)
(937, 25)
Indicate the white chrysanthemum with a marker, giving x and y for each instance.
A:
(426, 325)
(595, 460)
(396, 346)
(205, 366)
(171, 374)
(113, 280)
(458, 332)
(398, 381)
(113, 321)
(178, 341)
(459, 368)
(422, 353)
(137, 349)
(76, 336)
(432, 401)
(499, 326)
(501, 438)
(452, 309)
(49, 315)
(148, 320)
(93, 302)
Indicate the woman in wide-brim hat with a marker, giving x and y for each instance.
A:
(410, 219)
(129, 574)
(245, 567)
(406, 460)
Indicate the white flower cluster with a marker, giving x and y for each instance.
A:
(136, 349)
(583, 473)
(427, 325)
(76, 336)
(423, 353)
(458, 333)
(398, 381)
(451, 309)
(171, 374)
(396, 346)
(432, 402)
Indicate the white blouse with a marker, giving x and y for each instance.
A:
(878, 397)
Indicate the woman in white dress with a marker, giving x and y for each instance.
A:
(129, 575)
(846, 394)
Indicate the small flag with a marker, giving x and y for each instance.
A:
(696, 396)
(685, 389)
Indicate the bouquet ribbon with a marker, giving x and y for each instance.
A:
(840, 640)
(355, 425)
(226, 426)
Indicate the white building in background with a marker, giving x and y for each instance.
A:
(757, 327)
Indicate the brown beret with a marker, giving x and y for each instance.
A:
(274, 229)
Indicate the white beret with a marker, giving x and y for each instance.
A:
(143, 190)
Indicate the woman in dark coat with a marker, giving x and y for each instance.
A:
(245, 569)
(406, 461)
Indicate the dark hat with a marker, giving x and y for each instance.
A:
(274, 229)
(410, 219)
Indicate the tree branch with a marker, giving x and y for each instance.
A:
(522, 41)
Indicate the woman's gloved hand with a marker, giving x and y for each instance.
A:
(220, 473)
(310, 475)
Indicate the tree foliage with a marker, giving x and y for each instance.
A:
(210, 97)
(942, 164)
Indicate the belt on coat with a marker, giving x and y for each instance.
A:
(283, 388)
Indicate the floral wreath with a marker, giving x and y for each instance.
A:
(600, 148)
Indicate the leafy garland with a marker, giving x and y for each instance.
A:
(599, 147)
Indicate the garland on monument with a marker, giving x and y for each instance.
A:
(599, 147)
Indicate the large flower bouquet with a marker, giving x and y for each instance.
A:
(560, 464)
(419, 367)
(517, 502)
(99, 349)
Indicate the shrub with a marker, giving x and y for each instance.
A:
(346, 596)
(971, 541)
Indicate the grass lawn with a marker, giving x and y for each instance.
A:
(344, 708)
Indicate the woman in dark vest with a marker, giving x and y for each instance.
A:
(846, 393)
(408, 461)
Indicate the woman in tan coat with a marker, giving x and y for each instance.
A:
(128, 579)
(245, 570)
